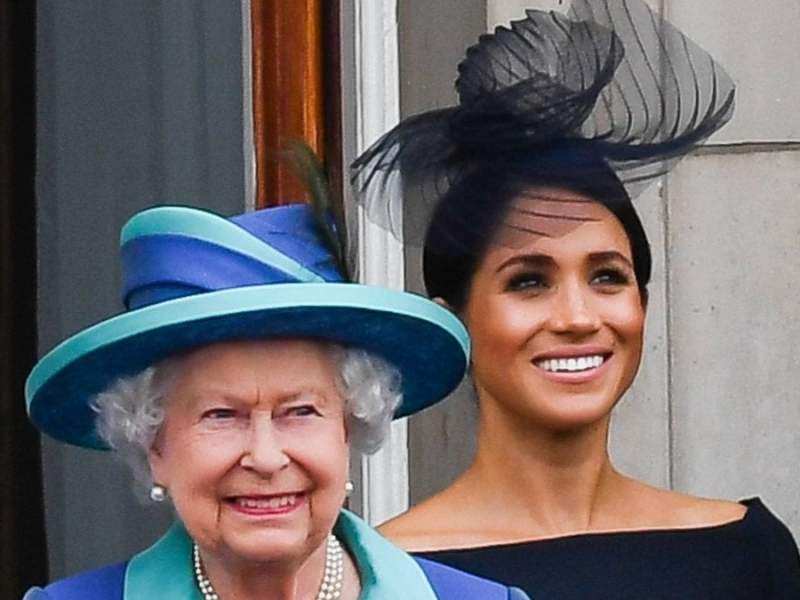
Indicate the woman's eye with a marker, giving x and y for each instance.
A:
(526, 281)
(302, 411)
(610, 277)
(217, 414)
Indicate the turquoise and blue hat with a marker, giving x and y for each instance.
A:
(192, 278)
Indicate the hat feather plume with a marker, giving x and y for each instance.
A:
(311, 171)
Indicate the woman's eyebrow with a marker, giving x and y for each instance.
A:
(208, 396)
(318, 396)
(534, 260)
(610, 255)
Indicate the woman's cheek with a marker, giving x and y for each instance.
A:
(628, 317)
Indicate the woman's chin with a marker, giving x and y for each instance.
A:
(574, 414)
(270, 547)
(575, 424)
(266, 538)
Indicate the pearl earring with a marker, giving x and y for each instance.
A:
(158, 493)
(348, 487)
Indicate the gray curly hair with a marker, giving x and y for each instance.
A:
(131, 410)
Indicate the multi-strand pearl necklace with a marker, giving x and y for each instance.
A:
(329, 589)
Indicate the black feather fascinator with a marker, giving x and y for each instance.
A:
(609, 87)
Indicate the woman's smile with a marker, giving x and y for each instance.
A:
(574, 365)
(267, 505)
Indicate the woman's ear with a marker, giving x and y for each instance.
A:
(443, 303)
(158, 467)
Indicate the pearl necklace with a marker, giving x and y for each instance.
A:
(329, 589)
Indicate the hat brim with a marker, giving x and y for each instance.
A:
(426, 342)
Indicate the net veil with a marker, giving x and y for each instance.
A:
(607, 91)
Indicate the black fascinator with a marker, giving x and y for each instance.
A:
(598, 101)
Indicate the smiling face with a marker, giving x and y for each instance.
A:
(253, 449)
(557, 322)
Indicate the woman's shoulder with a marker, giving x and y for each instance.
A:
(105, 583)
(429, 525)
(413, 530)
(637, 505)
(766, 535)
(658, 508)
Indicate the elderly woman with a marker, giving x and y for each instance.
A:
(235, 385)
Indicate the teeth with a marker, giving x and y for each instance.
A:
(268, 503)
(571, 365)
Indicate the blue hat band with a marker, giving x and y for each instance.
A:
(156, 269)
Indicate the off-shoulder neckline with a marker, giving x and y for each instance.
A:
(754, 505)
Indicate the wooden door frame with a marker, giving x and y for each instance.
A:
(296, 91)
(288, 94)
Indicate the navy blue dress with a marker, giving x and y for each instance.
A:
(752, 559)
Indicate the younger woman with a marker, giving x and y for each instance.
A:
(534, 242)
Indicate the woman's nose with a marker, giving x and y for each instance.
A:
(264, 452)
(572, 310)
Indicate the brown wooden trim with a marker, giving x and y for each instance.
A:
(288, 91)
(332, 83)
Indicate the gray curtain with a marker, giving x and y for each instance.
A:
(139, 103)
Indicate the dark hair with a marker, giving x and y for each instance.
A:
(468, 216)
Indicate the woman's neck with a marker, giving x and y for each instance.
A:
(285, 580)
(545, 482)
